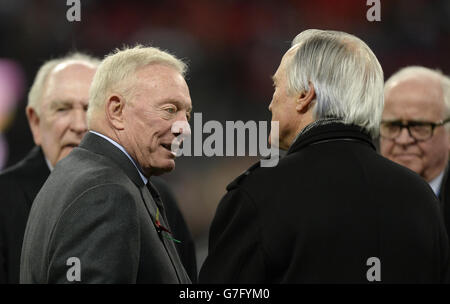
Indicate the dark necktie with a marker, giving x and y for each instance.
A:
(166, 237)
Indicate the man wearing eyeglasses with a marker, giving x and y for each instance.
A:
(415, 127)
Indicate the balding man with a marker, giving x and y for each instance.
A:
(56, 112)
(415, 127)
(98, 218)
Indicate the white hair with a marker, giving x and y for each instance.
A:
(116, 73)
(446, 92)
(37, 88)
(345, 73)
(417, 71)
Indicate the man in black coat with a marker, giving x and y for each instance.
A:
(332, 210)
(415, 129)
(98, 218)
(444, 198)
(19, 185)
(56, 113)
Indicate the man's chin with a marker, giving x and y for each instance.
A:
(409, 163)
(168, 166)
(64, 152)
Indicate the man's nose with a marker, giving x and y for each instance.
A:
(404, 138)
(181, 127)
(79, 123)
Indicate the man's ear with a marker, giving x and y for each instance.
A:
(305, 99)
(114, 111)
(33, 121)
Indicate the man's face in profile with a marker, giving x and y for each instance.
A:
(61, 123)
(420, 99)
(283, 105)
(160, 98)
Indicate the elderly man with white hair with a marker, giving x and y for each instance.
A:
(56, 113)
(98, 218)
(333, 210)
(415, 128)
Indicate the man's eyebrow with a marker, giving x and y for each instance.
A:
(274, 79)
(407, 121)
(177, 103)
(58, 102)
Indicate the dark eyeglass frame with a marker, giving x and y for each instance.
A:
(412, 123)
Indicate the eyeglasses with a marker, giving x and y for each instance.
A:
(419, 130)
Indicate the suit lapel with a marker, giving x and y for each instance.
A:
(152, 206)
(99, 145)
(444, 198)
(442, 189)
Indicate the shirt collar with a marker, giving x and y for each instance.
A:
(144, 179)
(319, 122)
(49, 164)
(435, 184)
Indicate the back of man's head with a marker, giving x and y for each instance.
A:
(345, 73)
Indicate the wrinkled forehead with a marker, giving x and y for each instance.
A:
(424, 88)
(71, 69)
(285, 61)
(160, 77)
(415, 97)
(160, 84)
(69, 81)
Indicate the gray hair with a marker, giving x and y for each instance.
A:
(37, 88)
(345, 73)
(118, 68)
(411, 71)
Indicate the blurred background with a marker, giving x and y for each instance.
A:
(232, 48)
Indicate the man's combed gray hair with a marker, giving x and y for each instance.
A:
(417, 71)
(345, 73)
(37, 89)
(117, 71)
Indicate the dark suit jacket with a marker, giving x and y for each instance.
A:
(19, 185)
(317, 217)
(444, 197)
(94, 206)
